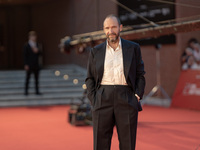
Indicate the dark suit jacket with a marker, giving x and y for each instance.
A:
(133, 68)
(30, 58)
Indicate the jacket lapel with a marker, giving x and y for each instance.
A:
(100, 58)
(127, 57)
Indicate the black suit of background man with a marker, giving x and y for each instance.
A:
(31, 62)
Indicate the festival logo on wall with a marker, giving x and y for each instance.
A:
(191, 89)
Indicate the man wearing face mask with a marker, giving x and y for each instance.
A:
(31, 61)
(115, 84)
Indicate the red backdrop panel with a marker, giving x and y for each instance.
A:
(187, 93)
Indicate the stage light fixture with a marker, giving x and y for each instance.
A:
(75, 81)
(66, 77)
(57, 73)
(65, 44)
(84, 86)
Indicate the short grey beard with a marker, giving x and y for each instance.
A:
(113, 40)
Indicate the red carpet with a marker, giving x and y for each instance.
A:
(46, 128)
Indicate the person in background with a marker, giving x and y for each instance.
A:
(191, 57)
(31, 61)
(196, 53)
(186, 54)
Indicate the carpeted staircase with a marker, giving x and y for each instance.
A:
(58, 85)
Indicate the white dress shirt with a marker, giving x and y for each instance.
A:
(32, 43)
(113, 66)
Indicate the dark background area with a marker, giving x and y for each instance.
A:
(153, 11)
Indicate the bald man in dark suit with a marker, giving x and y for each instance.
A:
(115, 85)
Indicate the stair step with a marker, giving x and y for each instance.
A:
(43, 90)
(47, 85)
(41, 97)
(37, 102)
(42, 75)
(42, 80)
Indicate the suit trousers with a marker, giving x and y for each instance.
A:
(35, 71)
(114, 105)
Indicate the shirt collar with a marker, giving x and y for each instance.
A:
(118, 47)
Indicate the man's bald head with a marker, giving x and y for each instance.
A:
(112, 16)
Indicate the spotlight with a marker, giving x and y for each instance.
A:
(57, 73)
(75, 81)
(84, 86)
(66, 77)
